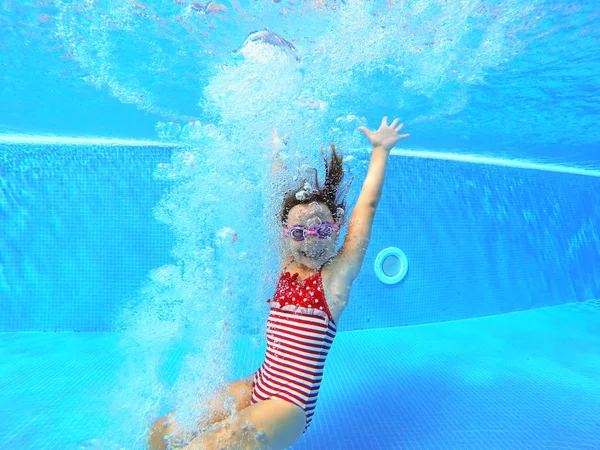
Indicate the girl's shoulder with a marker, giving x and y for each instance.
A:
(286, 261)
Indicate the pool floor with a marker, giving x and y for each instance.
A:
(527, 380)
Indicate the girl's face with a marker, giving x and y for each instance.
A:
(313, 251)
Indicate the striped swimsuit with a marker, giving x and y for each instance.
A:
(300, 331)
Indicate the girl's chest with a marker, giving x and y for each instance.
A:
(317, 291)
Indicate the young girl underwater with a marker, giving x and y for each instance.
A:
(274, 406)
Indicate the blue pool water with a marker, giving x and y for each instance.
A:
(133, 135)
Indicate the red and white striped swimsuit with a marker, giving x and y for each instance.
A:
(300, 331)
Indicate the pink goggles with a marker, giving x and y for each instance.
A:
(322, 231)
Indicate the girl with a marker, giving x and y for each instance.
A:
(274, 407)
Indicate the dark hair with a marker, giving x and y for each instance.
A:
(331, 193)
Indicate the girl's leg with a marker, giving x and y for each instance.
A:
(164, 426)
(272, 424)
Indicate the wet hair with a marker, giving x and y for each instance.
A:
(332, 193)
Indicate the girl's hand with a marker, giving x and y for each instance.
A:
(276, 143)
(387, 136)
(278, 164)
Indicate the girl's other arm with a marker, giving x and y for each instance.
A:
(278, 165)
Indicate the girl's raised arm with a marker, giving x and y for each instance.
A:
(352, 254)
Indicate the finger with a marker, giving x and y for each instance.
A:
(394, 123)
(383, 122)
(399, 127)
(364, 130)
(403, 136)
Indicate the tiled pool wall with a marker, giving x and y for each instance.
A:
(78, 233)
(78, 238)
(480, 240)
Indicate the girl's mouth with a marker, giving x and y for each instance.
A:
(312, 255)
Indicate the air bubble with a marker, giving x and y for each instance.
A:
(314, 222)
(315, 208)
(302, 195)
(260, 436)
(186, 158)
(168, 130)
(225, 236)
(191, 131)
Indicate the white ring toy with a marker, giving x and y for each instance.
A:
(379, 261)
